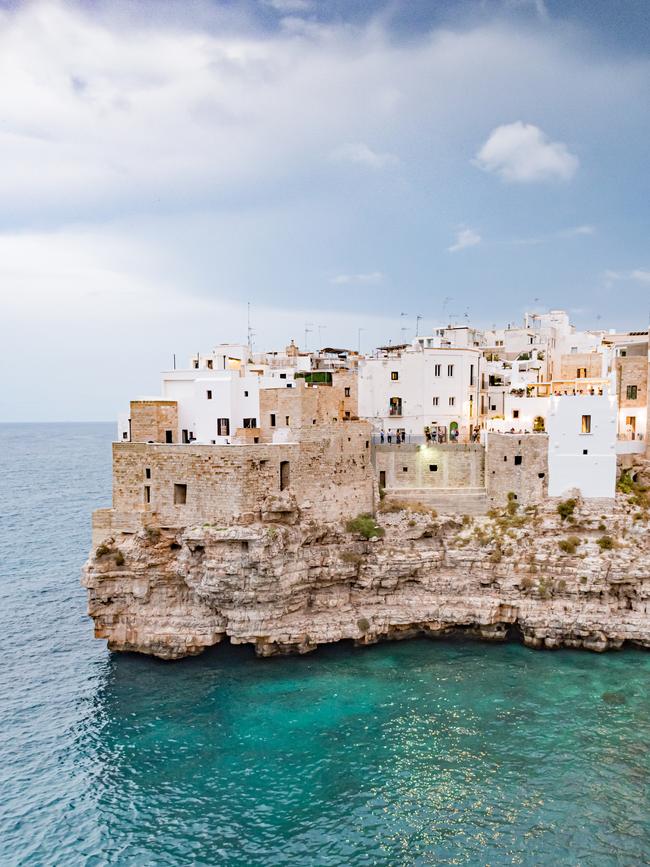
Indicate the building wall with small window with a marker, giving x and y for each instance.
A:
(154, 421)
(438, 466)
(582, 445)
(632, 388)
(581, 365)
(516, 464)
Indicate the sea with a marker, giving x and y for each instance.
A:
(411, 753)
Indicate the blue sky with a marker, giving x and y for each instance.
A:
(334, 163)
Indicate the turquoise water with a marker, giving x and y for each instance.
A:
(419, 753)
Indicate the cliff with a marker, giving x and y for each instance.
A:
(582, 580)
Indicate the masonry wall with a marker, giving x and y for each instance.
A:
(330, 478)
(516, 463)
(150, 419)
(431, 466)
(570, 363)
(300, 407)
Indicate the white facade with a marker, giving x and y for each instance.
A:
(415, 388)
(581, 458)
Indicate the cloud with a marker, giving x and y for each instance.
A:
(465, 238)
(522, 153)
(637, 275)
(577, 231)
(347, 279)
(360, 153)
(290, 6)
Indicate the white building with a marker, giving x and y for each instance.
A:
(219, 392)
(408, 388)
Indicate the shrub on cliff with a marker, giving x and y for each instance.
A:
(566, 508)
(363, 624)
(102, 551)
(570, 545)
(366, 526)
(606, 543)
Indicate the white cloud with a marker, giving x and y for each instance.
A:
(362, 154)
(346, 279)
(465, 238)
(290, 6)
(577, 231)
(521, 152)
(637, 275)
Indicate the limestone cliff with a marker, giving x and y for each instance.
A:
(582, 580)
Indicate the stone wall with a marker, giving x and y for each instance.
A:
(516, 463)
(347, 381)
(427, 467)
(329, 478)
(632, 371)
(570, 363)
(151, 419)
(300, 407)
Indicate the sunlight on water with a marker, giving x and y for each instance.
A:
(415, 753)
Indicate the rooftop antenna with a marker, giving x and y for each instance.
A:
(418, 319)
(309, 327)
(249, 330)
(174, 361)
(404, 328)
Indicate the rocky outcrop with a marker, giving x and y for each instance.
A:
(582, 580)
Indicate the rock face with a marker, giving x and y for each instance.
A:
(288, 587)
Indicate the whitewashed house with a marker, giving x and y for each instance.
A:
(405, 389)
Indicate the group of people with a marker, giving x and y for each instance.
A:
(398, 436)
(432, 434)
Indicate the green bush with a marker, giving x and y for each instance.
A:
(526, 583)
(119, 558)
(606, 543)
(569, 545)
(363, 624)
(366, 526)
(513, 505)
(566, 508)
(351, 557)
(102, 551)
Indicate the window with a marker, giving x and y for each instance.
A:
(631, 392)
(195, 364)
(405, 469)
(208, 364)
(493, 407)
(436, 401)
(180, 495)
(223, 427)
(272, 419)
(515, 413)
(433, 468)
(284, 475)
(147, 472)
(147, 493)
(347, 415)
(581, 373)
(394, 375)
(540, 475)
(245, 394)
(518, 460)
(250, 422)
(585, 451)
(586, 424)
(286, 420)
(346, 391)
(169, 437)
(452, 401)
(436, 370)
(283, 376)
(125, 435)
(185, 436)
(505, 457)
(450, 370)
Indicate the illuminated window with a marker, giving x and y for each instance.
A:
(394, 375)
(586, 424)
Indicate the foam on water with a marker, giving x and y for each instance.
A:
(402, 754)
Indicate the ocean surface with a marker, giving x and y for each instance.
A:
(416, 753)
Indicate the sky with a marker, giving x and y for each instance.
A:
(343, 167)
